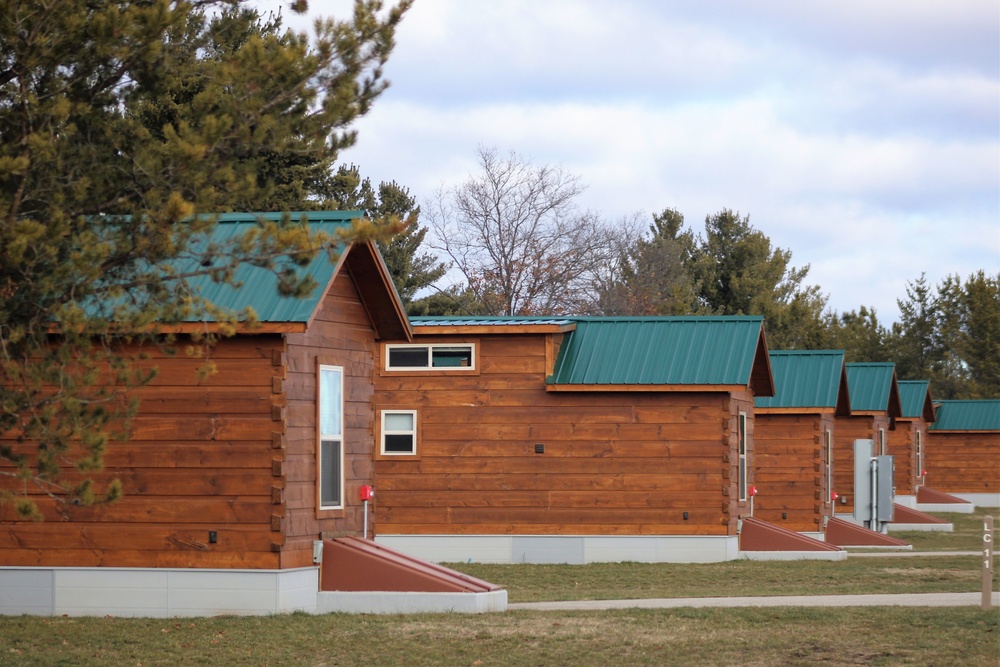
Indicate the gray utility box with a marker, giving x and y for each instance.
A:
(885, 493)
(863, 481)
(874, 493)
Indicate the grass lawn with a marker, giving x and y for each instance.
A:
(748, 636)
(608, 581)
(967, 536)
(772, 636)
(903, 574)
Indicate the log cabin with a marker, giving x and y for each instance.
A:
(793, 440)
(569, 440)
(229, 479)
(963, 451)
(908, 441)
(875, 405)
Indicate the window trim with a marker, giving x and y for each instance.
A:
(882, 442)
(741, 450)
(473, 367)
(919, 443)
(334, 437)
(829, 465)
(384, 432)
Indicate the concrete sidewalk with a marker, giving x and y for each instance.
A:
(886, 600)
(910, 554)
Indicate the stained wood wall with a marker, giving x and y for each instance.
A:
(199, 459)
(628, 463)
(790, 460)
(963, 461)
(234, 453)
(903, 448)
(340, 334)
(846, 431)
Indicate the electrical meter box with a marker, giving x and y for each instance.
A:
(863, 481)
(885, 493)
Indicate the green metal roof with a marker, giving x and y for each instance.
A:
(258, 286)
(659, 351)
(913, 395)
(491, 321)
(804, 379)
(871, 386)
(980, 415)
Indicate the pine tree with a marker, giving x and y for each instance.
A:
(982, 323)
(740, 273)
(914, 348)
(860, 335)
(123, 127)
(652, 274)
(411, 270)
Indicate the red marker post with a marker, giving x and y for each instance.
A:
(367, 493)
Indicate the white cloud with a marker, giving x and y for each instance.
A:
(862, 136)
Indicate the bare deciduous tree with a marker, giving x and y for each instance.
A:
(516, 234)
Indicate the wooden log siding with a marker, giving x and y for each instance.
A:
(200, 458)
(790, 462)
(846, 431)
(613, 463)
(233, 453)
(963, 461)
(903, 448)
(341, 334)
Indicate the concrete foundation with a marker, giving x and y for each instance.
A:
(165, 593)
(376, 602)
(160, 593)
(570, 549)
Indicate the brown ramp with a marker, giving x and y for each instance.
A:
(907, 515)
(757, 535)
(354, 564)
(847, 534)
(928, 496)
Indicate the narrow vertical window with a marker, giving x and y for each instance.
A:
(399, 432)
(829, 465)
(881, 442)
(331, 437)
(743, 456)
(920, 453)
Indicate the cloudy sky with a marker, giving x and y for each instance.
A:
(863, 136)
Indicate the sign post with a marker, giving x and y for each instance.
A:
(987, 561)
(367, 493)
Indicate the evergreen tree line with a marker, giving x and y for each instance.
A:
(948, 334)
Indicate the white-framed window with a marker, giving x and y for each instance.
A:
(881, 442)
(399, 432)
(331, 437)
(920, 452)
(430, 357)
(829, 465)
(743, 456)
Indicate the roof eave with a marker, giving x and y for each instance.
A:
(930, 414)
(795, 410)
(483, 329)
(761, 375)
(378, 292)
(727, 388)
(238, 328)
(843, 394)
